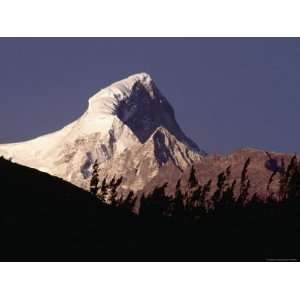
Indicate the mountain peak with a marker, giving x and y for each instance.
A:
(137, 103)
(107, 100)
(142, 77)
(116, 130)
(127, 84)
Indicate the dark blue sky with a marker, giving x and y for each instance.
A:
(227, 93)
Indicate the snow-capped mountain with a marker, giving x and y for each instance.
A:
(129, 127)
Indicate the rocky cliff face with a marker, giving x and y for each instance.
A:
(129, 128)
(262, 169)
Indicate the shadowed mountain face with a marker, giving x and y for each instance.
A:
(146, 110)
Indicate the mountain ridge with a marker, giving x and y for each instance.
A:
(129, 116)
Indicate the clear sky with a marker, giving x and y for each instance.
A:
(227, 93)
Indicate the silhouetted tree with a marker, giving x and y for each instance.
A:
(227, 201)
(289, 184)
(228, 172)
(193, 198)
(94, 179)
(205, 191)
(196, 200)
(228, 194)
(283, 181)
(293, 181)
(129, 202)
(112, 194)
(193, 182)
(103, 191)
(177, 208)
(271, 179)
(245, 183)
(220, 188)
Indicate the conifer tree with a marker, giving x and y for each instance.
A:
(205, 191)
(94, 179)
(220, 188)
(196, 204)
(282, 181)
(103, 192)
(193, 182)
(228, 195)
(192, 195)
(293, 183)
(129, 202)
(287, 179)
(245, 183)
(177, 210)
(112, 191)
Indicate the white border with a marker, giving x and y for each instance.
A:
(148, 281)
(149, 18)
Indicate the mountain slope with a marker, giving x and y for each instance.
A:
(45, 218)
(263, 171)
(129, 127)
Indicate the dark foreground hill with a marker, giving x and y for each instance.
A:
(43, 218)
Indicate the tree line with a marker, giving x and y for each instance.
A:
(229, 199)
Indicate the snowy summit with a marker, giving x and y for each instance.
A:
(129, 127)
